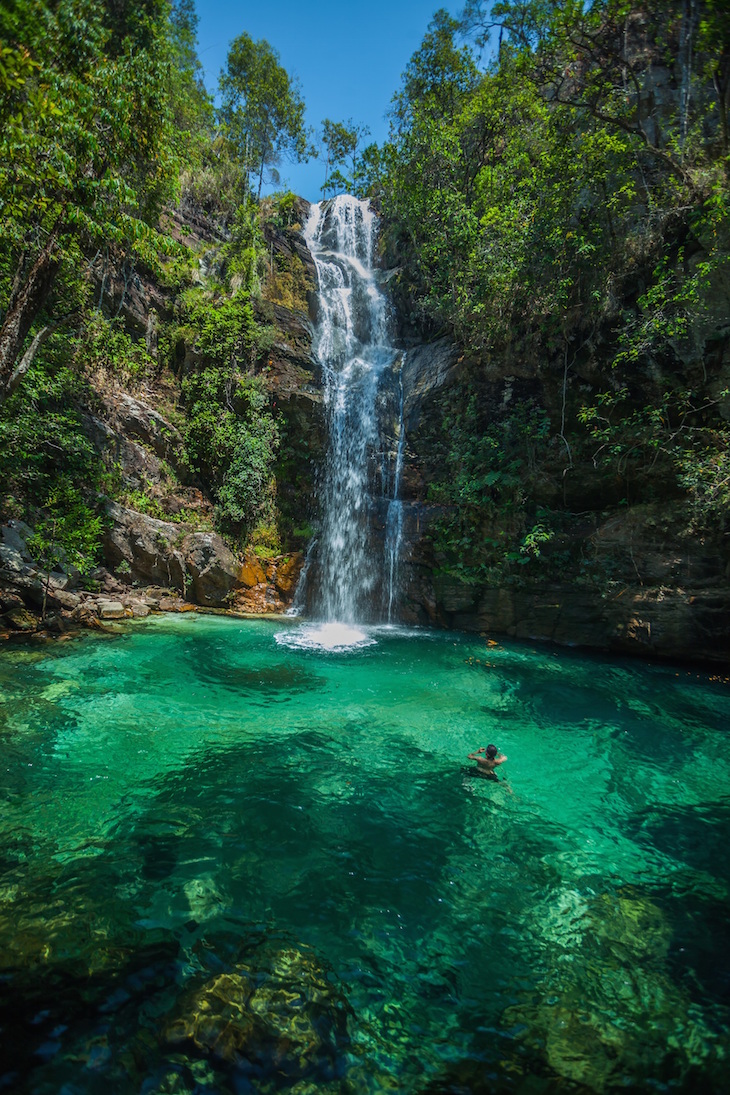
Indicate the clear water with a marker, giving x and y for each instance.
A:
(232, 862)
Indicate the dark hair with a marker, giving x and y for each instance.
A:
(491, 751)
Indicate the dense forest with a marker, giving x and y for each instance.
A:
(554, 202)
(564, 214)
(110, 152)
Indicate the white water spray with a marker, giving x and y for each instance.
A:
(394, 517)
(353, 346)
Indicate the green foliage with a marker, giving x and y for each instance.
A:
(231, 437)
(93, 144)
(675, 446)
(245, 253)
(68, 533)
(265, 539)
(42, 437)
(554, 217)
(216, 183)
(89, 151)
(262, 108)
(49, 470)
(146, 503)
(245, 493)
(284, 208)
(519, 199)
(482, 474)
(222, 330)
(105, 344)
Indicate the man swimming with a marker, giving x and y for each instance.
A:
(487, 760)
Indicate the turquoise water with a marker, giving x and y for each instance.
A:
(229, 864)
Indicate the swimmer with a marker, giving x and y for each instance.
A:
(487, 760)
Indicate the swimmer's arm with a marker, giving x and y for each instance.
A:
(476, 756)
(500, 759)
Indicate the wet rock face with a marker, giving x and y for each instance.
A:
(668, 623)
(654, 592)
(632, 577)
(267, 586)
(273, 1014)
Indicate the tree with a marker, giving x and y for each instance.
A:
(262, 108)
(87, 154)
(438, 77)
(341, 142)
(192, 105)
(597, 57)
(334, 140)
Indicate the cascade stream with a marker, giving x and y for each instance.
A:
(354, 347)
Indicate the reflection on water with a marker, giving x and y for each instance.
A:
(230, 863)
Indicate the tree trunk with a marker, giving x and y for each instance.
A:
(690, 20)
(29, 294)
(721, 80)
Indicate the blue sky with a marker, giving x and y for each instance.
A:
(349, 57)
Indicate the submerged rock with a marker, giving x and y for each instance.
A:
(276, 1013)
(607, 1007)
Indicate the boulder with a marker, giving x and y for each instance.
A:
(61, 598)
(111, 610)
(20, 619)
(175, 604)
(147, 545)
(286, 573)
(9, 601)
(197, 564)
(251, 572)
(214, 569)
(136, 606)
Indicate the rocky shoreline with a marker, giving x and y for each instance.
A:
(36, 605)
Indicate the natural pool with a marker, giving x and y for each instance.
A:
(230, 863)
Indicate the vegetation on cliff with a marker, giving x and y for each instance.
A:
(558, 206)
(135, 259)
(562, 211)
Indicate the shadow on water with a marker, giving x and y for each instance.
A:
(214, 898)
(697, 834)
(220, 665)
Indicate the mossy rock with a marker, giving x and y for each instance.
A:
(277, 1013)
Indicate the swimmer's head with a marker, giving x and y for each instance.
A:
(491, 751)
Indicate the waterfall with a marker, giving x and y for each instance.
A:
(353, 346)
(394, 517)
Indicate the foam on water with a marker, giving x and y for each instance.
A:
(333, 636)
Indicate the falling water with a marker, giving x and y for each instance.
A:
(394, 518)
(353, 346)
